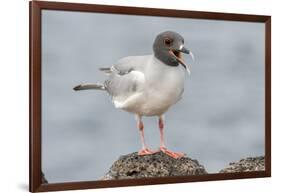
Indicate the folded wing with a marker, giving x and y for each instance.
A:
(126, 80)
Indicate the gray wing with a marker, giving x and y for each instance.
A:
(126, 78)
(127, 64)
(120, 87)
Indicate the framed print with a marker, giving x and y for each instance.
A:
(124, 96)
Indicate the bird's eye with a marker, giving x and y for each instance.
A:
(167, 41)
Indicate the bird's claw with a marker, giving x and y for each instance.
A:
(175, 155)
(146, 151)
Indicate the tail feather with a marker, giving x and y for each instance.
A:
(95, 86)
(106, 70)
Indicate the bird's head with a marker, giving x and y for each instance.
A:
(168, 47)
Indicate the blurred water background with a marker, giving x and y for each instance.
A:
(220, 118)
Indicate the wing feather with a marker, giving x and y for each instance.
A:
(120, 87)
(126, 78)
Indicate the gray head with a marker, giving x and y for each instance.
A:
(168, 47)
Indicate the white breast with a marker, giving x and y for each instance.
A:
(164, 86)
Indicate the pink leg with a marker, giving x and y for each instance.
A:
(161, 128)
(163, 148)
(144, 150)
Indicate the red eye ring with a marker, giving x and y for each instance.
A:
(167, 41)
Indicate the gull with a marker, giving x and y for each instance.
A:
(148, 85)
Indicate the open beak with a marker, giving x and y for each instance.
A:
(177, 54)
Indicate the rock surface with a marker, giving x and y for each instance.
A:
(44, 180)
(245, 165)
(156, 165)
